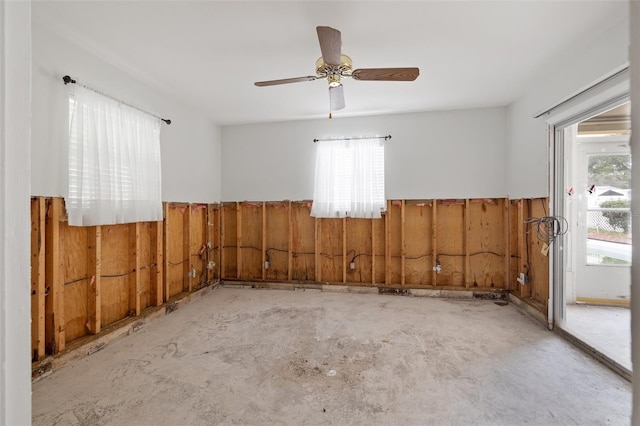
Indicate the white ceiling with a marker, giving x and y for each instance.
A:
(209, 53)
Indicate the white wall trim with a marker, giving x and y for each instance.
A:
(634, 50)
(15, 164)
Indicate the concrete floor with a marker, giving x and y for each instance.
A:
(252, 357)
(606, 328)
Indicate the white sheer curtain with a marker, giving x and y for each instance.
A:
(114, 162)
(349, 179)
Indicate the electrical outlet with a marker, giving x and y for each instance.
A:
(352, 265)
(522, 278)
(266, 264)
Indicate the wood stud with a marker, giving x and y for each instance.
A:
(240, 242)
(467, 232)
(344, 250)
(157, 265)
(373, 252)
(134, 267)
(38, 278)
(507, 241)
(434, 242)
(54, 266)
(387, 245)
(403, 246)
(290, 243)
(165, 239)
(188, 278)
(94, 303)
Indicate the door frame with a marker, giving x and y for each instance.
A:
(588, 273)
(584, 108)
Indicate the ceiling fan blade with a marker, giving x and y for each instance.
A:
(285, 81)
(386, 74)
(330, 44)
(336, 98)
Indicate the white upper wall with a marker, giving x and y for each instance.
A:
(528, 157)
(444, 154)
(190, 145)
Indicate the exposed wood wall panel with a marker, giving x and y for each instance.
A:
(276, 242)
(395, 241)
(250, 243)
(146, 264)
(379, 249)
(116, 271)
(486, 244)
(198, 242)
(450, 240)
(331, 250)
(418, 243)
(229, 265)
(524, 246)
(213, 239)
(87, 278)
(514, 238)
(472, 240)
(303, 242)
(538, 262)
(358, 248)
(176, 256)
(76, 281)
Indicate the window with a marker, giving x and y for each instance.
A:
(349, 179)
(114, 162)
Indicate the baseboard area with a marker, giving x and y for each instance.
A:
(445, 293)
(88, 345)
(532, 310)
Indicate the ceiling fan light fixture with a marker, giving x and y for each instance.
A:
(334, 80)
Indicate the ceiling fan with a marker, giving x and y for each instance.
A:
(333, 65)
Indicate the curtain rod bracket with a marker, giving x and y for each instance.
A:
(67, 79)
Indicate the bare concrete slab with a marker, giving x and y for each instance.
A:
(606, 328)
(247, 356)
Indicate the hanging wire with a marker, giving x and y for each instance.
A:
(549, 228)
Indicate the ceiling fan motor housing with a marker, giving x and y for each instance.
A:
(334, 72)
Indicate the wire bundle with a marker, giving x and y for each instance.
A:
(548, 228)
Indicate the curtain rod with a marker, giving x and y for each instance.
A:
(354, 138)
(68, 80)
